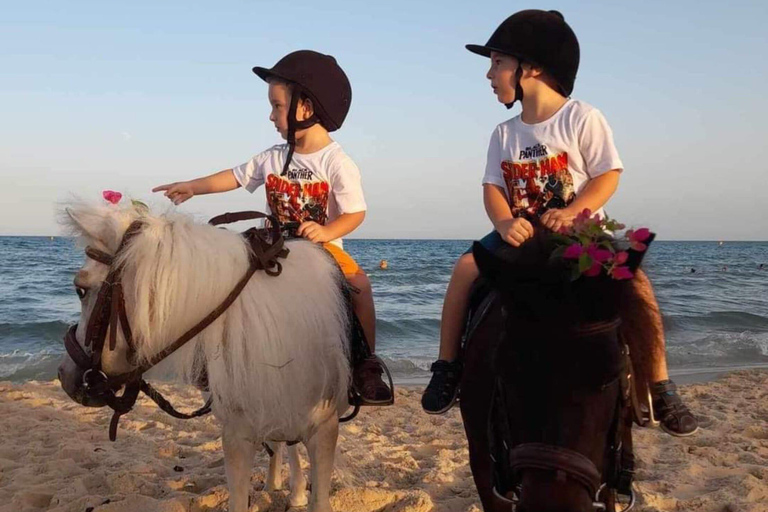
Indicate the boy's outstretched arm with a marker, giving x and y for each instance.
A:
(222, 181)
(342, 225)
(594, 195)
(513, 230)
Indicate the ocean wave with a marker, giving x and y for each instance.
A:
(33, 331)
(720, 348)
(418, 327)
(720, 320)
(21, 366)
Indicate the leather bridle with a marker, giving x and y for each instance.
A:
(570, 464)
(109, 311)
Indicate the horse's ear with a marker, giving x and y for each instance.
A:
(635, 258)
(88, 224)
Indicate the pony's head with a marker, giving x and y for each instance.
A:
(557, 373)
(100, 227)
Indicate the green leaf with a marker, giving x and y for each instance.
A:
(558, 252)
(140, 206)
(585, 262)
(575, 273)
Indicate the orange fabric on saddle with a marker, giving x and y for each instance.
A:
(348, 265)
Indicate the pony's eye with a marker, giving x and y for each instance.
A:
(80, 292)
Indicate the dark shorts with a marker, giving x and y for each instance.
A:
(492, 241)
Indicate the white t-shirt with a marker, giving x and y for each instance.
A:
(545, 165)
(318, 186)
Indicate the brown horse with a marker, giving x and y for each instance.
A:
(545, 383)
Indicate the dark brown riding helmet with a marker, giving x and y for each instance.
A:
(541, 38)
(319, 78)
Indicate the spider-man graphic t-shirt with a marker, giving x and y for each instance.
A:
(545, 165)
(317, 187)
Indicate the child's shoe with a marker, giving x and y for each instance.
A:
(443, 389)
(668, 408)
(366, 378)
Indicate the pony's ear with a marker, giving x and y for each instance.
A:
(88, 224)
(635, 258)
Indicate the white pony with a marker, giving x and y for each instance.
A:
(276, 360)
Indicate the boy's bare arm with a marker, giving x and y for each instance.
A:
(594, 195)
(222, 181)
(514, 231)
(343, 225)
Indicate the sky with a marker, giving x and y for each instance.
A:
(125, 96)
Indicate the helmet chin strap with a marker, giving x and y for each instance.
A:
(518, 87)
(294, 125)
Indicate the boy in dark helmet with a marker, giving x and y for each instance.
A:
(309, 181)
(549, 163)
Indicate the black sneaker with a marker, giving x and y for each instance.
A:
(443, 389)
(668, 408)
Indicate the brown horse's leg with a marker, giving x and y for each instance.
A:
(476, 390)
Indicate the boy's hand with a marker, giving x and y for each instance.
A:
(514, 231)
(314, 232)
(556, 219)
(177, 192)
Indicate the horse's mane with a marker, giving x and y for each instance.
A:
(177, 271)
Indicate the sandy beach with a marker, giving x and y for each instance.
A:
(55, 455)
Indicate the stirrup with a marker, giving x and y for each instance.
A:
(642, 413)
(357, 400)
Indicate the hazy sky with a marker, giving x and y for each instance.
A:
(128, 95)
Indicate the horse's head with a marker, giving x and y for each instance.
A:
(558, 374)
(101, 229)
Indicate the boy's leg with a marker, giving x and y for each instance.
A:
(367, 374)
(362, 301)
(455, 304)
(442, 391)
(647, 347)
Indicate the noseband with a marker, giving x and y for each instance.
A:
(109, 310)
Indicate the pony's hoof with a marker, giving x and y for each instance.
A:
(297, 500)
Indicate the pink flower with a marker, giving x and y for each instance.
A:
(573, 251)
(636, 238)
(582, 219)
(599, 255)
(111, 196)
(621, 257)
(594, 270)
(620, 272)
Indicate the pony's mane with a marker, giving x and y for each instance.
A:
(176, 271)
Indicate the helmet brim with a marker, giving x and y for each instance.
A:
(266, 73)
(485, 51)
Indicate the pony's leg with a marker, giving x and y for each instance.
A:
(298, 496)
(322, 448)
(238, 462)
(274, 474)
